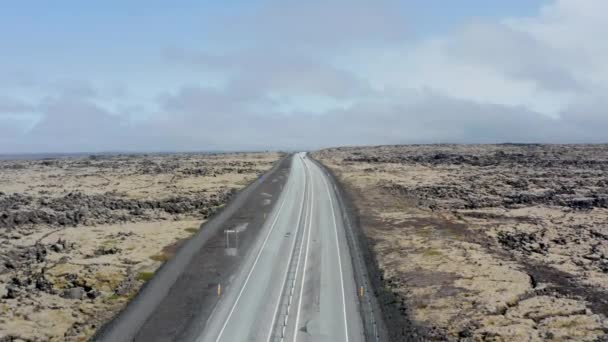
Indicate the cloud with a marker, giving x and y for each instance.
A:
(588, 119)
(10, 105)
(432, 118)
(76, 124)
(11, 128)
(201, 119)
(257, 72)
(335, 24)
(73, 88)
(299, 75)
(518, 55)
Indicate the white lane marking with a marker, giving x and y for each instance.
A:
(307, 218)
(252, 267)
(302, 209)
(331, 202)
(312, 202)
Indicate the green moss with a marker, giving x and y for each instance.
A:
(145, 276)
(192, 230)
(424, 232)
(132, 295)
(115, 297)
(431, 252)
(162, 257)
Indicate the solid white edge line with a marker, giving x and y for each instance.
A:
(253, 267)
(312, 202)
(302, 208)
(331, 202)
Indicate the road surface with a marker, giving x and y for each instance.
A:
(297, 282)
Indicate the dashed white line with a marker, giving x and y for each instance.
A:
(295, 331)
(289, 263)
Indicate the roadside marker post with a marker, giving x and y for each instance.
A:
(236, 237)
(219, 290)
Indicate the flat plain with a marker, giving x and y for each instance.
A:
(487, 242)
(81, 235)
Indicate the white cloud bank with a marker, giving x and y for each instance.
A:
(343, 73)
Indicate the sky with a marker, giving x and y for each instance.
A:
(155, 75)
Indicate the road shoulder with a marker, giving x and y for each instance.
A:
(378, 304)
(169, 307)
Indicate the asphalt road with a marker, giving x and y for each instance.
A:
(297, 282)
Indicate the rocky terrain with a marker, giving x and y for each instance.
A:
(80, 236)
(487, 242)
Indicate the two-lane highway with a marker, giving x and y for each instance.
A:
(297, 282)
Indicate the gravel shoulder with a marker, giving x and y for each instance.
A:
(80, 236)
(490, 242)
